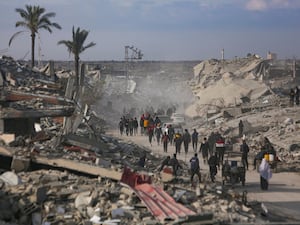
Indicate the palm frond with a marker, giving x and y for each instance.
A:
(88, 46)
(15, 35)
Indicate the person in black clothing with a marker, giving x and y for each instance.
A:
(165, 162)
(121, 126)
(195, 140)
(195, 167)
(142, 160)
(213, 162)
(175, 165)
(171, 133)
(267, 148)
(131, 126)
(142, 124)
(297, 95)
(157, 121)
(244, 148)
(204, 148)
(292, 97)
(135, 126)
(127, 126)
(186, 140)
(241, 128)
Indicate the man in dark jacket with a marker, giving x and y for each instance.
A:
(175, 165)
(195, 140)
(204, 149)
(195, 167)
(186, 140)
(244, 148)
(213, 162)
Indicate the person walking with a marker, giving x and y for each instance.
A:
(150, 133)
(213, 162)
(195, 140)
(178, 141)
(142, 124)
(220, 149)
(165, 140)
(265, 174)
(241, 128)
(195, 168)
(158, 133)
(171, 133)
(292, 97)
(244, 148)
(135, 126)
(204, 149)
(186, 140)
(297, 95)
(121, 126)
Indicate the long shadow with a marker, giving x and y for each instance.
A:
(255, 187)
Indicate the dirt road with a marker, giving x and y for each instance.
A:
(283, 195)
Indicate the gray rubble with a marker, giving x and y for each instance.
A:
(89, 191)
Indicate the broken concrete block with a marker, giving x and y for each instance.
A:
(20, 164)
(102, 163)
(10, 178)
(83, 199)
(117, 213)
(39, 195)
(7, 138)
(126, 191)
(36, 218)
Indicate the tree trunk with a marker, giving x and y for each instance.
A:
(32, 49)
(76, 70)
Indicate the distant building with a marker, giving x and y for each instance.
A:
(271, 56)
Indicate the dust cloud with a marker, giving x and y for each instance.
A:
(149, 88)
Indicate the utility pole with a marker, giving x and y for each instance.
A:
(222, 53)
(294, 69)
(136, 54)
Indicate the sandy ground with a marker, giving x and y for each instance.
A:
(283, 195)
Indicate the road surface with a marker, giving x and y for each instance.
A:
(283, 195)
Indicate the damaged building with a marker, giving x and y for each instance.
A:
(27, 96)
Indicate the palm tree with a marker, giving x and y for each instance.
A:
(75, 46)
(34, 19)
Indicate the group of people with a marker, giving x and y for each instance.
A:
(129, 126)
(211, 148)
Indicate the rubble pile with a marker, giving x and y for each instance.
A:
(247, 89)
(53, 197)
(22, 78)
(223, 83)
(97, 193)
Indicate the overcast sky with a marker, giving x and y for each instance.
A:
(161, 29)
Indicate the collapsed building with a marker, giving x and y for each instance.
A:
(79, 175)
(27, 96)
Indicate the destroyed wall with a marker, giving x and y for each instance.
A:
(224, 83)
(28, 95)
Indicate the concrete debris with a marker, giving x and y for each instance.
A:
(10, 178)
(70, 172)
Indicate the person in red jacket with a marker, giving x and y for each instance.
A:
(220, 149)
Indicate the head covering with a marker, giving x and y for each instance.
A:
(265, 170)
